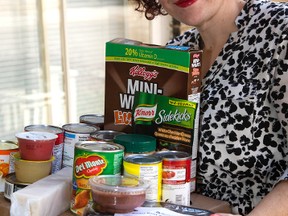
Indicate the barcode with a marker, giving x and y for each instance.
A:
(178, 198)
(9, 189)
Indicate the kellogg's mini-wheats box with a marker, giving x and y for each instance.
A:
(133, 66)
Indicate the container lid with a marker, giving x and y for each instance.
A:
(136, 143)
(99, 146)
(173, 155)
(80, 128)
(36, 135)
(92, 118)
(142, 159)
(105, 135)
(119, 184)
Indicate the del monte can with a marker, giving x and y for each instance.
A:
(92, 158)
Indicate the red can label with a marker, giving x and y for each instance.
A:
(176, 177)
(176, 171)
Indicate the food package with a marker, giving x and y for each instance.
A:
(49, 196)
(133, 66)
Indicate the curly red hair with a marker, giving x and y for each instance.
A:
(151, 8)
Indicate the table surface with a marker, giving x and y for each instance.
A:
(198, 201)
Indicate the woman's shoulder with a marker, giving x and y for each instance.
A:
(265, 17)
(188, 38)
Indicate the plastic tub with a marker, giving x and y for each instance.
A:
(31, 171)
(117, 194)
(36, 145)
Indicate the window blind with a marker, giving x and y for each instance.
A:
(32, 77)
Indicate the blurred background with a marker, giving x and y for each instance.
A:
(52, 59)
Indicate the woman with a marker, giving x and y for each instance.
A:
(243, 149)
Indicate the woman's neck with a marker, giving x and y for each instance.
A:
(216, 31)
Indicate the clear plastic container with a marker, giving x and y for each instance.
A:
(117, 194)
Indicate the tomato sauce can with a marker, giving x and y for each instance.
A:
(96, 120)
(147, 168)
(176, 176)
(59, 143)
(92, 158)
(7, 149)
(73, 133)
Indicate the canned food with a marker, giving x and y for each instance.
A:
(59, 143)
(95, 120)
(92, 158)
(7, 149)
(74, 133)
(176, 176)
(105, 135)
(12, 185)
(149, 169)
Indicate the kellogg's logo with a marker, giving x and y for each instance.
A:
(89, 166)
(141, 72)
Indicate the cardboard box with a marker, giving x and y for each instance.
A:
(133, 66)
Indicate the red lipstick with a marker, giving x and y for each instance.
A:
(185, 3)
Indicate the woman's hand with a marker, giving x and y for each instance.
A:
(223, 214)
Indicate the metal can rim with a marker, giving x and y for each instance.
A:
(14, 181)
(173, 153)
(136, 159)
(10, 142)
(91, 128)
(83, 144)
(58, 130)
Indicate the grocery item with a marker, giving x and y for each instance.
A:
(136, 143)
(117, 194)
(36, 145)
(49, 196)
(12, 185)
(176, 176)
(7, 149)
(59, 143)
(73, 133)
(28, 171)
(170, 120)
(96, 120)
(92, 158)
(149, 169)
(133, 66)
(105, 135)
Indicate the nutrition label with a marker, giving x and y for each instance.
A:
(150, 175)
(69, 145)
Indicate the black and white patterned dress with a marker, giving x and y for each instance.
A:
(244, 110)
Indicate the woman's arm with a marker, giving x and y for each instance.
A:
(274, 203)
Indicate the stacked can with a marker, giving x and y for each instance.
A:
(59, 143)
(12, 185)
(105, 135)
(7, 149)
(176, 177)
(96, 120)
(147, 168)
(92, 158)
(73, 133)
(136, 143)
